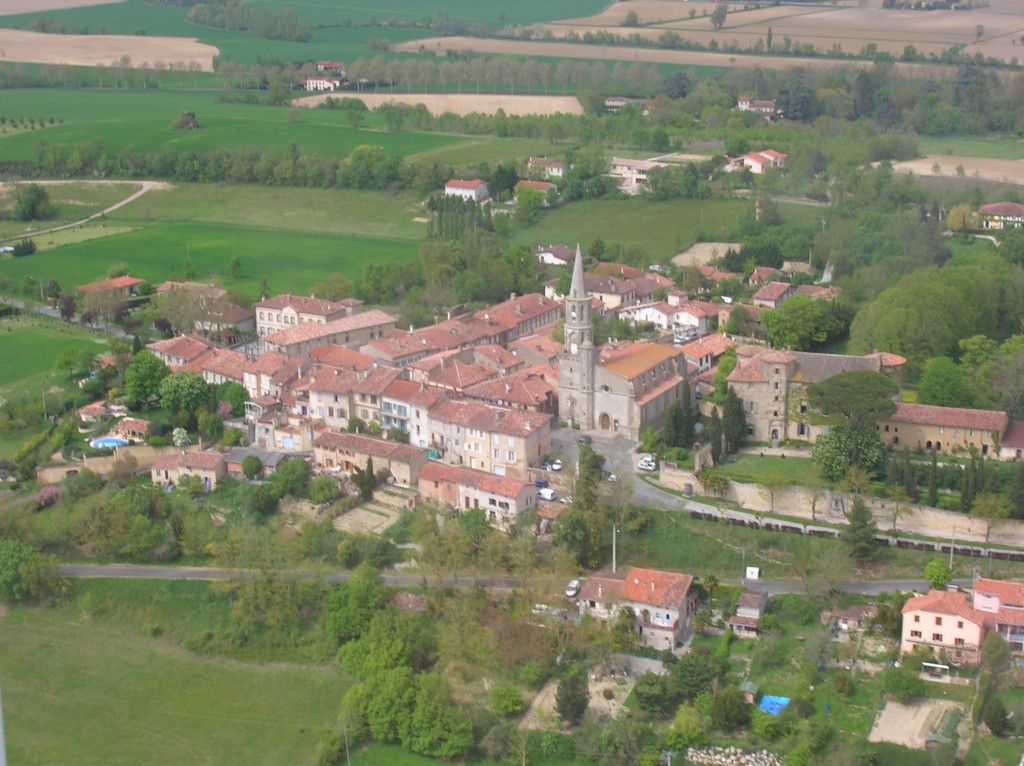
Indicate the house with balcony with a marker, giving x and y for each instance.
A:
(346, 452)
(503, 499)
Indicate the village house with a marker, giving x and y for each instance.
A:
(1002, 603)
(714, 274)
(361, 328)
(346, 452)
(124, 286)
(664, 604)
(325, 395)
(132, 428)
(554, 255)
(524, 390)
(1001, 215)
(203, 293)
(173, 468)
(225, 317)
(504, 500)
(493, 439)
(406, 405)
(943, 621)
(219, 365)
(269, 460)
(368, 393)
(342, 358)
(332, 66)
(759, 162)
(925, 427)
(600, 597)
(773, 386)
(633, 174)
(703, 354)
(612, 292)
(764, 106)
(773, 294)
(544, 187)
(473, 190)
(542, 167)
(323, 83)
(750, 608)
(179, 351)
(283, 311)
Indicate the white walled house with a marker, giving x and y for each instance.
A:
(473, 190)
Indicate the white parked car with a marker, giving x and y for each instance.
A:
(647, 464)
(572, 590)
(546, 494)
(556, 465)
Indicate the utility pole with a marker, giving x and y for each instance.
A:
(953, 535)
(614, 559)
(3, 746)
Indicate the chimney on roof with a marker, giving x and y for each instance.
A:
(512, 296)
(652, 586)
(410, 329)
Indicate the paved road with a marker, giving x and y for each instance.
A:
(55, 314)
(871, 588)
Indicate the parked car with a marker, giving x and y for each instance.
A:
(540, 483)
(583, 439)
(572, 590)
(647, 464)
(612, 478)
(556, 466)
(546, 494)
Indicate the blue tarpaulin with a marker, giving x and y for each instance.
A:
(773, 705)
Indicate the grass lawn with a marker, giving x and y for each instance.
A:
(289, 261)
(988, 750)
(141, 119)
(71, 202)
(995, 146)
(772, 470)
(326, 211)
(122, 697)
(29, 349)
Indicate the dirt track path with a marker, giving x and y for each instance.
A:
(145, 186)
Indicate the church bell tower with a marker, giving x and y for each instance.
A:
(578, 361)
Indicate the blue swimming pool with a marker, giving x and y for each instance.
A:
(773, 705)
(108, 442)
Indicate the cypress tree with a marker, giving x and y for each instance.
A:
(1017, 493)
(715, 436)
(670, 433)
(933, 482)
(685, 425)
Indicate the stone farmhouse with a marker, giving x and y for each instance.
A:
(1001, 215)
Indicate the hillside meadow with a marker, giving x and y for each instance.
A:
(88, 684)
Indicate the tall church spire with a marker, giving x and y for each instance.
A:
(577, 290)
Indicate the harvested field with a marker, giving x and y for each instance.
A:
(704, 252)
(463, 103)
(12, 7)
(90, 50)
(649, 11)
(909, 725)
(988, 169)
(371, 518)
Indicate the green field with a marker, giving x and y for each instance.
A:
(141, 120)
(998, 146)
(289, 261)
(29, 350)
(81, 686)
(661, 228)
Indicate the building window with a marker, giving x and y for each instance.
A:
(958, 642)
(803, 408)
(937, 638)
(959, 623)
(938, 620)
(915, 634)
(917, 618)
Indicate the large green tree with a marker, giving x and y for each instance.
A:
(184, 391)
(734, 421)
(353, 604)
(945, 383)
(801, 323)
(859, 399)
(26, 574)
(860, 532)
(572, 697)
(836, 452)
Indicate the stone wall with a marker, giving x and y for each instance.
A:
(822, 505)
(144, 458)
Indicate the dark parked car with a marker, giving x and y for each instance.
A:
(583, 439)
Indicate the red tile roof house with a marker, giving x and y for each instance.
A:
(1002, 215)
(285, 310)
(663, 604)
(772, 295)
(357, 328)
(545, 187)
(943, 621)
(122, 285)
(924, 427)
(750, 608)
(542, 166)
(132, 428)
(171, 469)
(554, 255)
(347, 451)
(473, 190)
(179, 351)
(503, 500)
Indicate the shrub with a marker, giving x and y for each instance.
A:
(843, 683)
(506, 699)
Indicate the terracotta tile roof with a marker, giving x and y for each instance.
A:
(748, 371)
(117, 283)
(226, 313)
(398, 344)
(414, 393)
(945, 602)
(619, 270)
(654, 587)
(135, 425)
(817, 292)
(1010, 592)
(502, 486)
(267, 363)
(186, 347)
(950, 417)
(637, 164)
(712, 273)
(471, 414)
(636, 359)
(599, 283)
(602, 589)
(497, 356)
(744, 621)
(1011, 209)
(773, 291)
(302, 305)
(339, 356)
(888, 360)
(458, 375)
(376, 381)
(312, 330)
(1013, 437)
(210, 292)
(652, 393)
(458, 183)
(527, 388)
(701, 308)
(368, 445)
(764, 274)
(519, 310)
(94, 409)
(328, 380)
(543, 346)
(715, 345)
(538, 185)
(750, 600)
(220, 361)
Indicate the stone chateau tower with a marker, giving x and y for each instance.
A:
(578, 361)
